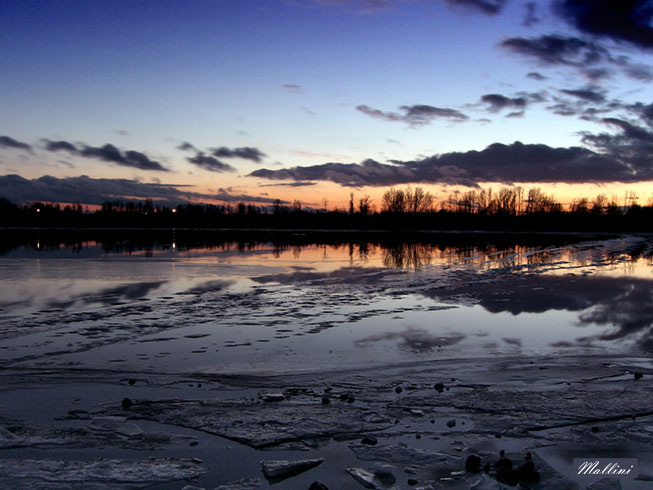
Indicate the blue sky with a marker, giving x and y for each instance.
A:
(421, 87)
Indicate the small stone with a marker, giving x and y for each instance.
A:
(316, 485)
(473, 464)
(126, 403)
(398, 389)
(418, 436)
(325, 400)
(412, 482)
(638, 375)
(193, 443)
(131, 382)
(439, 387)
(503, 467)
(594, 429)
(451, 423)
(370, 441)
(350, 399)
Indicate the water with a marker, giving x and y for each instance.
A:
(269, 303)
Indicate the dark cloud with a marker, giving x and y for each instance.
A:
(644, 111)
(87, 190)
(84, 189)
(590, 95)
(558, 50)
(536, 76)
(7, 142)
(623, 21)
(489, 7)
(633, 145)
(210, 163)
(515, 114)
(246, 153)
(564, 108)
(587, 103)
(587, 56)
(293, 89)
(517, 162)
(186, 146)
(415, 115)
(108, 153)
(496, 102)
(60, 146)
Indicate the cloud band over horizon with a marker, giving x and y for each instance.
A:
(517, 162)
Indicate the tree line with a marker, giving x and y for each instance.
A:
(506, 208)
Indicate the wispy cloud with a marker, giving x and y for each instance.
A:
(414, 115)
(108, 153)
(497, 102)
(533, 75)
(589, 57)
(590, 95)
(186, 146)
(293, 88)
(245, 152)
(210, 163)
(489, 7)
(7, 142)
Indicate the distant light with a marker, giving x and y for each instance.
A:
(174, 210)
(38, 210)
(174, 246)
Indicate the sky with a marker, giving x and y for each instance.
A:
(257, 100)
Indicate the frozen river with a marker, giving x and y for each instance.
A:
(160, 359)
(254, 306)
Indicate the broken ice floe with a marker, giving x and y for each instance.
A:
(281, 469)
(376, 479)
(103, 473)
(264, 424)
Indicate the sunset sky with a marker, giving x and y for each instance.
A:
(229, 100)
